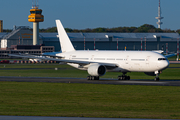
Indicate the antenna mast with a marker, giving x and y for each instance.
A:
(159, 16)
(35, 4)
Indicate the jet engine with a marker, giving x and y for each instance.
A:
(150, 73)
(96, 70)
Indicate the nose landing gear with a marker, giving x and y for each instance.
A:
(157, 75)
(156, 78)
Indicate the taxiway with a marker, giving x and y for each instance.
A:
(83, 80)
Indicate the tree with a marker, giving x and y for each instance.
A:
(68, 30)
(146, 28)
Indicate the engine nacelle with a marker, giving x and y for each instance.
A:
(150, 73)
(96, 70)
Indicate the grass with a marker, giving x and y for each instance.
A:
(173, 58)
(86, 100)
(89, 100)
(48, 70)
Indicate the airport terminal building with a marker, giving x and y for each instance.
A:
(22, 36)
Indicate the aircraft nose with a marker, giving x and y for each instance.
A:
(165, 64)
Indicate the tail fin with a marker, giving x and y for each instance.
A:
(65, 43)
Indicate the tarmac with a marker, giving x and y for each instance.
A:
(101, 81)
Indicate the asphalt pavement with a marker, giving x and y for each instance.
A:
(101, 81)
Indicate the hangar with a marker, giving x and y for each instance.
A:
(23, 35)
(114, 41)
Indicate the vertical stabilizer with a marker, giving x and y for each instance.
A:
(65, 43)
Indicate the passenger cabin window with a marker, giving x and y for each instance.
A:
(161, 58)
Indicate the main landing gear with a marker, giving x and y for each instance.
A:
(92, 77)
(124, 77)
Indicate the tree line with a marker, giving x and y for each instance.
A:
(146, 28)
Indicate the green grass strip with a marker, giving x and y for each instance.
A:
(171, 73)
(89, 100)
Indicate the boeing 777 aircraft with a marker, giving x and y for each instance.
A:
(98, 62)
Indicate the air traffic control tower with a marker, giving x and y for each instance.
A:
(35, 17)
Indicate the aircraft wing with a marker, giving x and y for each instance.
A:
(59, 59)
(170, 55)
(52, 54)
(43, 57)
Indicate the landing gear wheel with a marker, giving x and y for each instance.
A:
(92, 77)
(156, 78)
(88, 78)
(119, 77)
(157, 75)
(123, 77)
(96, 78)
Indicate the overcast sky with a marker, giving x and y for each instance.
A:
(82, 14)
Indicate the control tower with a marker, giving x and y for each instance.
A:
(35, 17)
(159, 16)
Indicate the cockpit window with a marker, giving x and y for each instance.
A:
(161, 58)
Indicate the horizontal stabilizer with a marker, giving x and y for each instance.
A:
(170, 55)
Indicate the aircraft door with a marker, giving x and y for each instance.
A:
(127, 60)
(92, 57)
(147, 60)
(70, 57)
(127, 63)
(150, 64)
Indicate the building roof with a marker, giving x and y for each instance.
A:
(81, 36)
(135, 36)
(115, 35)
(3, 34)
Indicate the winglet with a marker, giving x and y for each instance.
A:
(65, 43)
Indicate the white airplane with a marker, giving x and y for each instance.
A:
(98, 62)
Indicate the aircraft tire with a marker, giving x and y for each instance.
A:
(92, 77)
(123, 77)
(96, 78)
(156, 78)
(119, 77)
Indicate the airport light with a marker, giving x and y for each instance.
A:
(84, 44)
(141, 44)
(145, 43)
(166, 48)
(177, 49)
(94, 44)
(117, 43)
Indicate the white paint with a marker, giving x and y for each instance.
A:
(122, 61)
(35, 33)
